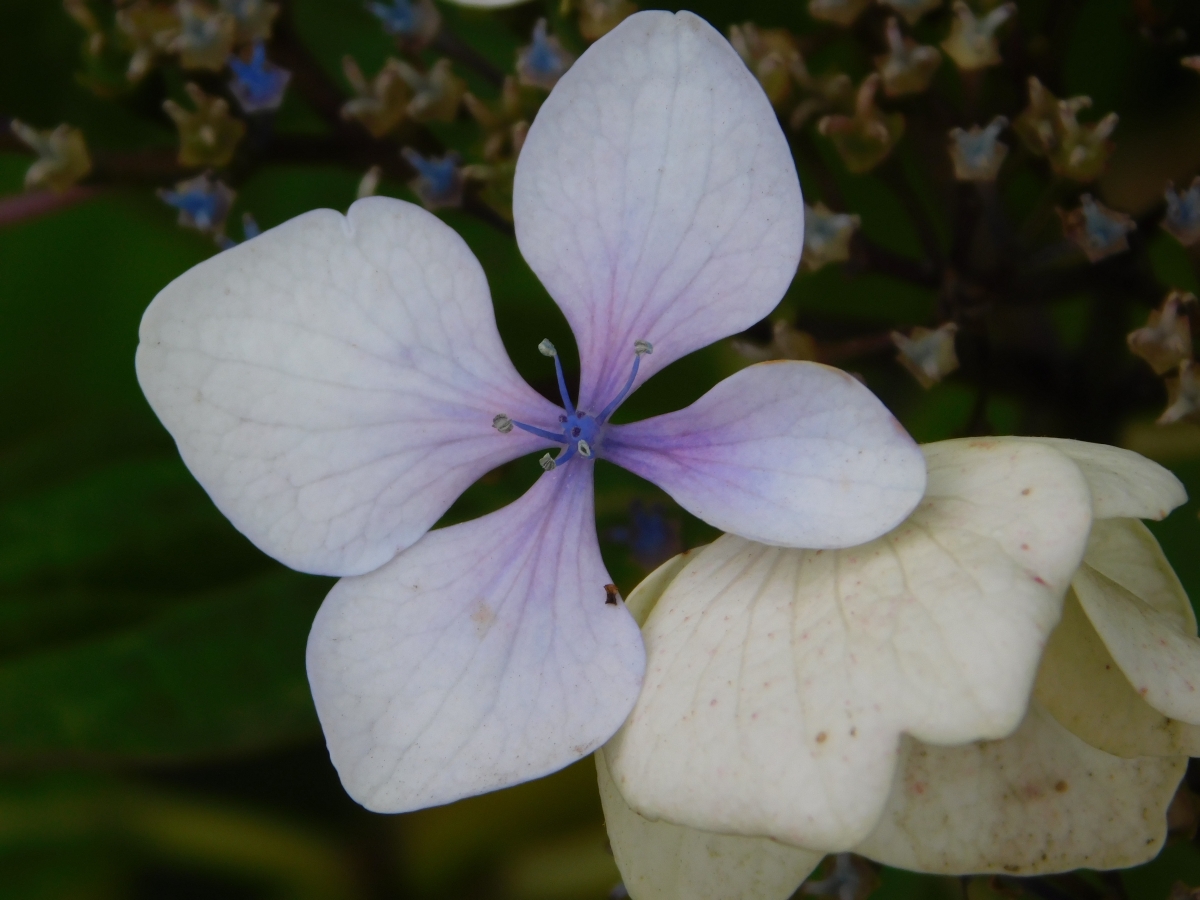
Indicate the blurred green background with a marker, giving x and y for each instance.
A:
(157, 738)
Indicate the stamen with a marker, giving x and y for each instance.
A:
(548, 349)
(502, 423)
(547, 462)
(541, 432)
(585, 449)
(640, 349)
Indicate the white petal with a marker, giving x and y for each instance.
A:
(779, 681)
(656, 198)
(1142, 614)
(789, 453)
(1123, 483)
(482, 656)
(1039, 801)
(643, 598)
(332, 382)
(661, 861)
(1081, 685)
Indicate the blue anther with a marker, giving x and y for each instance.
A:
(580, 431)
(258, 84)
(640, 348)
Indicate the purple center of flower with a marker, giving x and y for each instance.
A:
(579, 431)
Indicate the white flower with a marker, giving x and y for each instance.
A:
(336, 382)
(877, 699)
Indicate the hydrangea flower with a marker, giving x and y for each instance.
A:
(978, 154)
(62, 156)
(907, 67)
(972, 40)
(1182, 220)
(206, 36)
(208, 134)
(1183, 395)
(335, 383)
(864, 139)
(1165, 340)
(439, 181)
(927, 353)
(1095, 229)
(827, 236)
(543, 62)
(379, 104)
(878, 698)
(413, 24)
(258, 84)
(203, 204)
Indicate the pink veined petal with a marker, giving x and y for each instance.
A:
(332, 382)
(484, 655)
(656, 198)
(794, 454)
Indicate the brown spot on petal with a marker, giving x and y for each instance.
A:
(821, 737)
(1062, 787)
(1026, 492)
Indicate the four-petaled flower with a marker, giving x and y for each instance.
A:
(543, 62)
(336, 383)
(978, 154)
(975, 691)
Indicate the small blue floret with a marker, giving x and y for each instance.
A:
(258, 85)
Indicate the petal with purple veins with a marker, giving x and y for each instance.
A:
(656, 198)
(482, 656)
(332, 383)
(787, 453)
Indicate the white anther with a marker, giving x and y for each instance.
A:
(547, 349)
(502, 423)
(643, 348)
(547, 462)
(585, 449)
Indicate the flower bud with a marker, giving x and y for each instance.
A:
(208, 135)
(927, 353)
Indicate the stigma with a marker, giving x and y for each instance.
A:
(580, 432)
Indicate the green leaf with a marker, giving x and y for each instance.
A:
(221, 674)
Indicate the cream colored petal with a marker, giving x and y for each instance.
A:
(1039, 801)
(779, 681)
(1124, 551)
(1123, 483)
(645, 596)
(661, 861)
(1081, 685)
(1154, 644)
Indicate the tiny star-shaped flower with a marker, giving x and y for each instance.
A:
(927, 353)
(436, 93)
(972, 42)
(413, 24)
(912, 10)
(1183, 396)
(978, 154)
(544, 60)
(839, 12)
(208, 134)
(907, 67)
(862, 670)
(206, 36)
(203, 204)
(338, 381)
(257, 84)
(1095, 229)
(1182, 220)
(827, 236)
(62, 156)
(380, 104)
(504, 124)
(150, 30)
(439, 182)
(865, 139)
(1166, 339)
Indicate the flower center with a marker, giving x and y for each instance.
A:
(578, 430)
